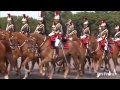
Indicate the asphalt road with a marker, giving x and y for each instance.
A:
(88, 75)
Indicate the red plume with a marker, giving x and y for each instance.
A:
(85, 18)
(42, 14)
(24, 15)
(9, 14)
(104, 20)
(56, 13)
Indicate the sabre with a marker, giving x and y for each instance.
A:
(63, 52)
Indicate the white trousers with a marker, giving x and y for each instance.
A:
(117, 39)
(84, 36)
(106, 44)
(57, 41)
(99, 39)
(51, 34)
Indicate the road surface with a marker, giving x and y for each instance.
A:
(88, 75)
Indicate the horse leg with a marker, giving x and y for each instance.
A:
(22, 60)
(16, 66)
(98, 64)
(4, 70)
(76, 62)
(89, 62)
(43, 62)
(33, 64)
(115, 64)
(10, 58)
(82, 66)
(7, 63)
(67, 66)
(51, 70)
(26, 68)
(61, 63)
(106, 59)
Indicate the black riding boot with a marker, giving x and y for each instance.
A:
(57, 51)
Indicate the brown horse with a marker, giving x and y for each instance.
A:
(3, 68)
(98, 54)
(27, 49)
(4, 37)
(83, 53)
(47, 53)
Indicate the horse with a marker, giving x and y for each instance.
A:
(84, 50)
(4, 38)
(46, 53)
(98, 54)
(27, 47)
(3, 67)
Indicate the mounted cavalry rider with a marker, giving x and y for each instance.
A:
(40, 27)
(10, 25)
(25, 29)
(103, 34)
(86, 32)
(56, 33)
(117, 33)
(70, 29)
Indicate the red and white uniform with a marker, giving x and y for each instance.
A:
(40, 27)
(86, 29)
(10, 25)
(25, 28)
(103, 34)
(117, 34)
(86, 32)
(57, 31)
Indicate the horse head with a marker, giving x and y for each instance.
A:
(14, 43)
(4, 35)
(92, 43)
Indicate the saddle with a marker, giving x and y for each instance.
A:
(84, 42)
(102, 45)
(117, 43)
(64, 42)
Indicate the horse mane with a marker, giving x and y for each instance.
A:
(20, 36)
(92, 37)
(39, 36)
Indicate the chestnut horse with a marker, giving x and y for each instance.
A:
(27, 47)
(98, 54)
(4, 37)
(47, 54)
(3, 68)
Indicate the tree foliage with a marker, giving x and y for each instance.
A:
(111, 17)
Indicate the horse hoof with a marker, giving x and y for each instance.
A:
(109, 74)
(115, 74)
(76, 77)
(24, 78)
(81, 73)
(43, 74)
(50, 77)
(98, 75)
(65, 76)
(6, 77)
